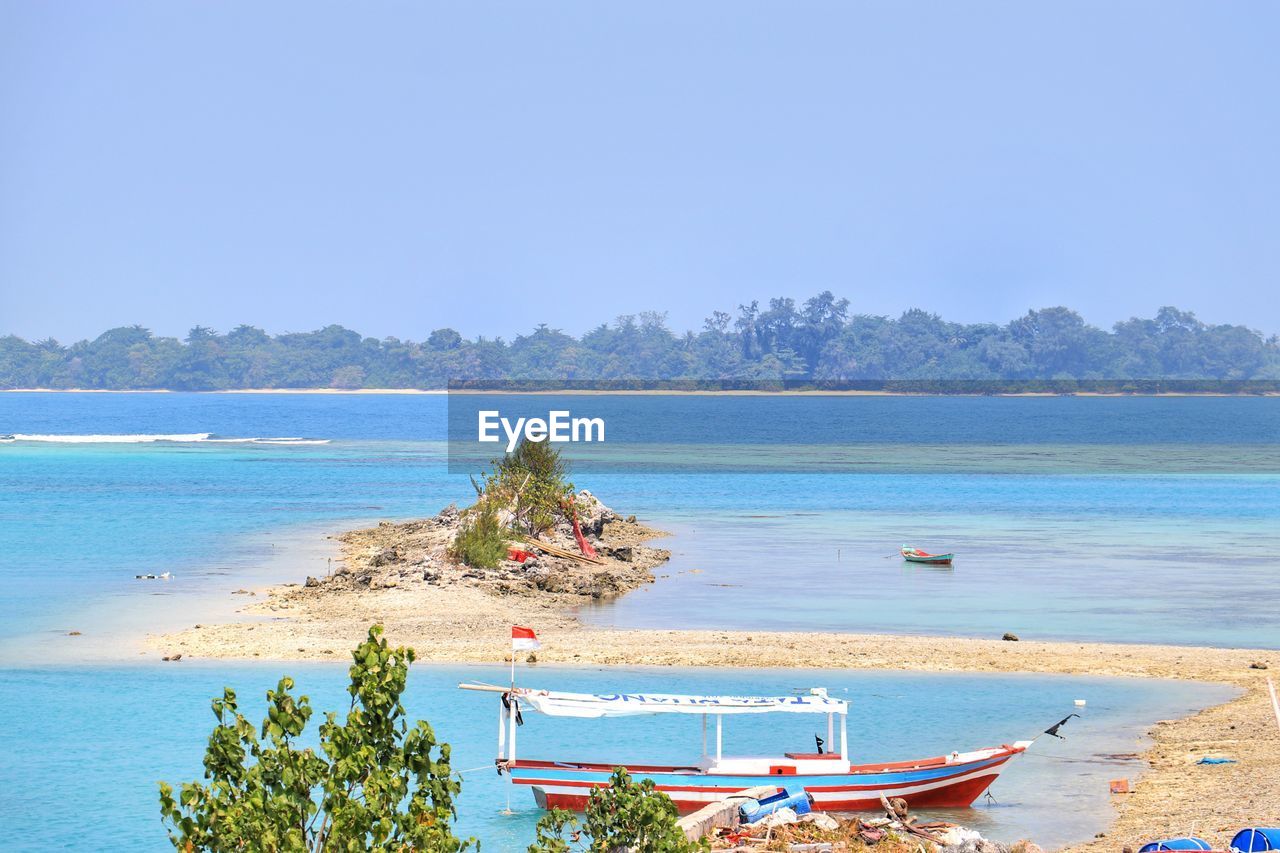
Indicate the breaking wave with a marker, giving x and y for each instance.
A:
(143, 438)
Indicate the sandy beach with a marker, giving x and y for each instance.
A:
(449, 614)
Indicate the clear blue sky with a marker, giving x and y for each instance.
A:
(398, 167)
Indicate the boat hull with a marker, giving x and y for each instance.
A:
(928, 559)
(932, 783)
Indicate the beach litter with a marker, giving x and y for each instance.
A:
(781, 828)
(1256, 838)
(1187, 843)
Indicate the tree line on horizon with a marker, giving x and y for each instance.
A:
(817, 340)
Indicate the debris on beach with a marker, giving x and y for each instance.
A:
(896, 832)
(415, 554)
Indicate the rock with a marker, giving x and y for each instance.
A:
(1010, 637)
(822, 821)
(1257, 665)
(624, 553)
(431, 576)
(532, 658)
(73, 633)
(592, 516)
(385, 557)
(173, 657)
(448, 517)
(957, 837)
(311, 581)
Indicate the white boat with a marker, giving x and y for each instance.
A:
(836, 784)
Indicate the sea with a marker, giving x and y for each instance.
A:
(1117, 519)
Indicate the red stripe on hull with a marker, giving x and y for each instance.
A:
(955, 796)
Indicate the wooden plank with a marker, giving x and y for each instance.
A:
(557, 551)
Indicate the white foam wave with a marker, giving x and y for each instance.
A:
(178, 438)
(111, 439)
(282, 440)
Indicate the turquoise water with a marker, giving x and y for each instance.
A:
(1124, 519)
(1081, 518)
(84, 747)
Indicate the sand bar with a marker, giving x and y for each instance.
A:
(459, 616)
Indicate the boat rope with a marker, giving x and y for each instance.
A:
(488, 766)
(1067, 760)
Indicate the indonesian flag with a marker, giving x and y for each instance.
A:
(523, 639)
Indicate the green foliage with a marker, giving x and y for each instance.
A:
(379, 784)
(482, 541)
(531, 482)
(820, 339)
(626, 815)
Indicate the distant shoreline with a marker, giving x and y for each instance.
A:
(635, 392)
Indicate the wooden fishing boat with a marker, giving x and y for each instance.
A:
(915, 555)
(836, 784)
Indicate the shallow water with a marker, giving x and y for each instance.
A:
(84, 747)
(1146, 520)
(1085, 518)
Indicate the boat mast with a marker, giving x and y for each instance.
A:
(502, 729)
(512, 709)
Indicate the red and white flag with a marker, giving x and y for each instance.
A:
(523, 639)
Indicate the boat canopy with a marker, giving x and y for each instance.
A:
(592, 705)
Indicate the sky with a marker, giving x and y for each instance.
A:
(398, 167)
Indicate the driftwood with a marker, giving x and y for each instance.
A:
(897, 810)
(556, 551)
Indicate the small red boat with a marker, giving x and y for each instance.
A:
(915, 555)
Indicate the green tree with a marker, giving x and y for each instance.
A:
(625, 815)
(482, 540)
(817, 339)
(379, 784)
(532, 482)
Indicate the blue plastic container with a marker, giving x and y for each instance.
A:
(752, 810)
(1258, 838)
(1176, 844)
